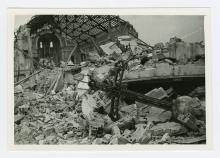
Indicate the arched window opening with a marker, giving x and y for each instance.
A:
(41, 45)
(51, 44)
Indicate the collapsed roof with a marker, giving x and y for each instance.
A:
(81, 27)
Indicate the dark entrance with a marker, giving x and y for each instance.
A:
(49, 47)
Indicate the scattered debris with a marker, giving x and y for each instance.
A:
(74, 103)
(171, 128)
(189, 140)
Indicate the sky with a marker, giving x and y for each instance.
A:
(156, 28)
(21, 20)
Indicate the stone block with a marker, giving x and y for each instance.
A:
(172, 128)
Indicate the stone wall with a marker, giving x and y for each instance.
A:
(183, 51)
(22, 53)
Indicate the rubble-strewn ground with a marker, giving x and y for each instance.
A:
(70, 117)
(73, 113)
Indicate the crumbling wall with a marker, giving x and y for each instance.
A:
(66, 46)
(183, 51)
(76, 111)
(22, 53)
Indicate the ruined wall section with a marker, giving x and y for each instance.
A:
(66, 45)
(183, 51)
(22, 53)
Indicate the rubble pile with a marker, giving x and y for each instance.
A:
(41, 82)
(77, 114)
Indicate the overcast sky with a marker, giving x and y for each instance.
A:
(153, 29)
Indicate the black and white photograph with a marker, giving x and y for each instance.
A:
(106, 79)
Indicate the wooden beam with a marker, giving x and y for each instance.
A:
(74, 49)
(80, 25)
(88, 30)
(110, 28)
(100, 52)
(82, 33)
(98, 24)
(54, 85)
(144, 43)
(60, 19)
(25, 79)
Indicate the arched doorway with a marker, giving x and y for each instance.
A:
(49, 47)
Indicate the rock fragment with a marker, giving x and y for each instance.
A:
(172, 128)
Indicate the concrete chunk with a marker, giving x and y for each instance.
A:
(172, 128)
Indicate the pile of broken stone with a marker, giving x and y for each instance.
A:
(66, 118)
(77, 114)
